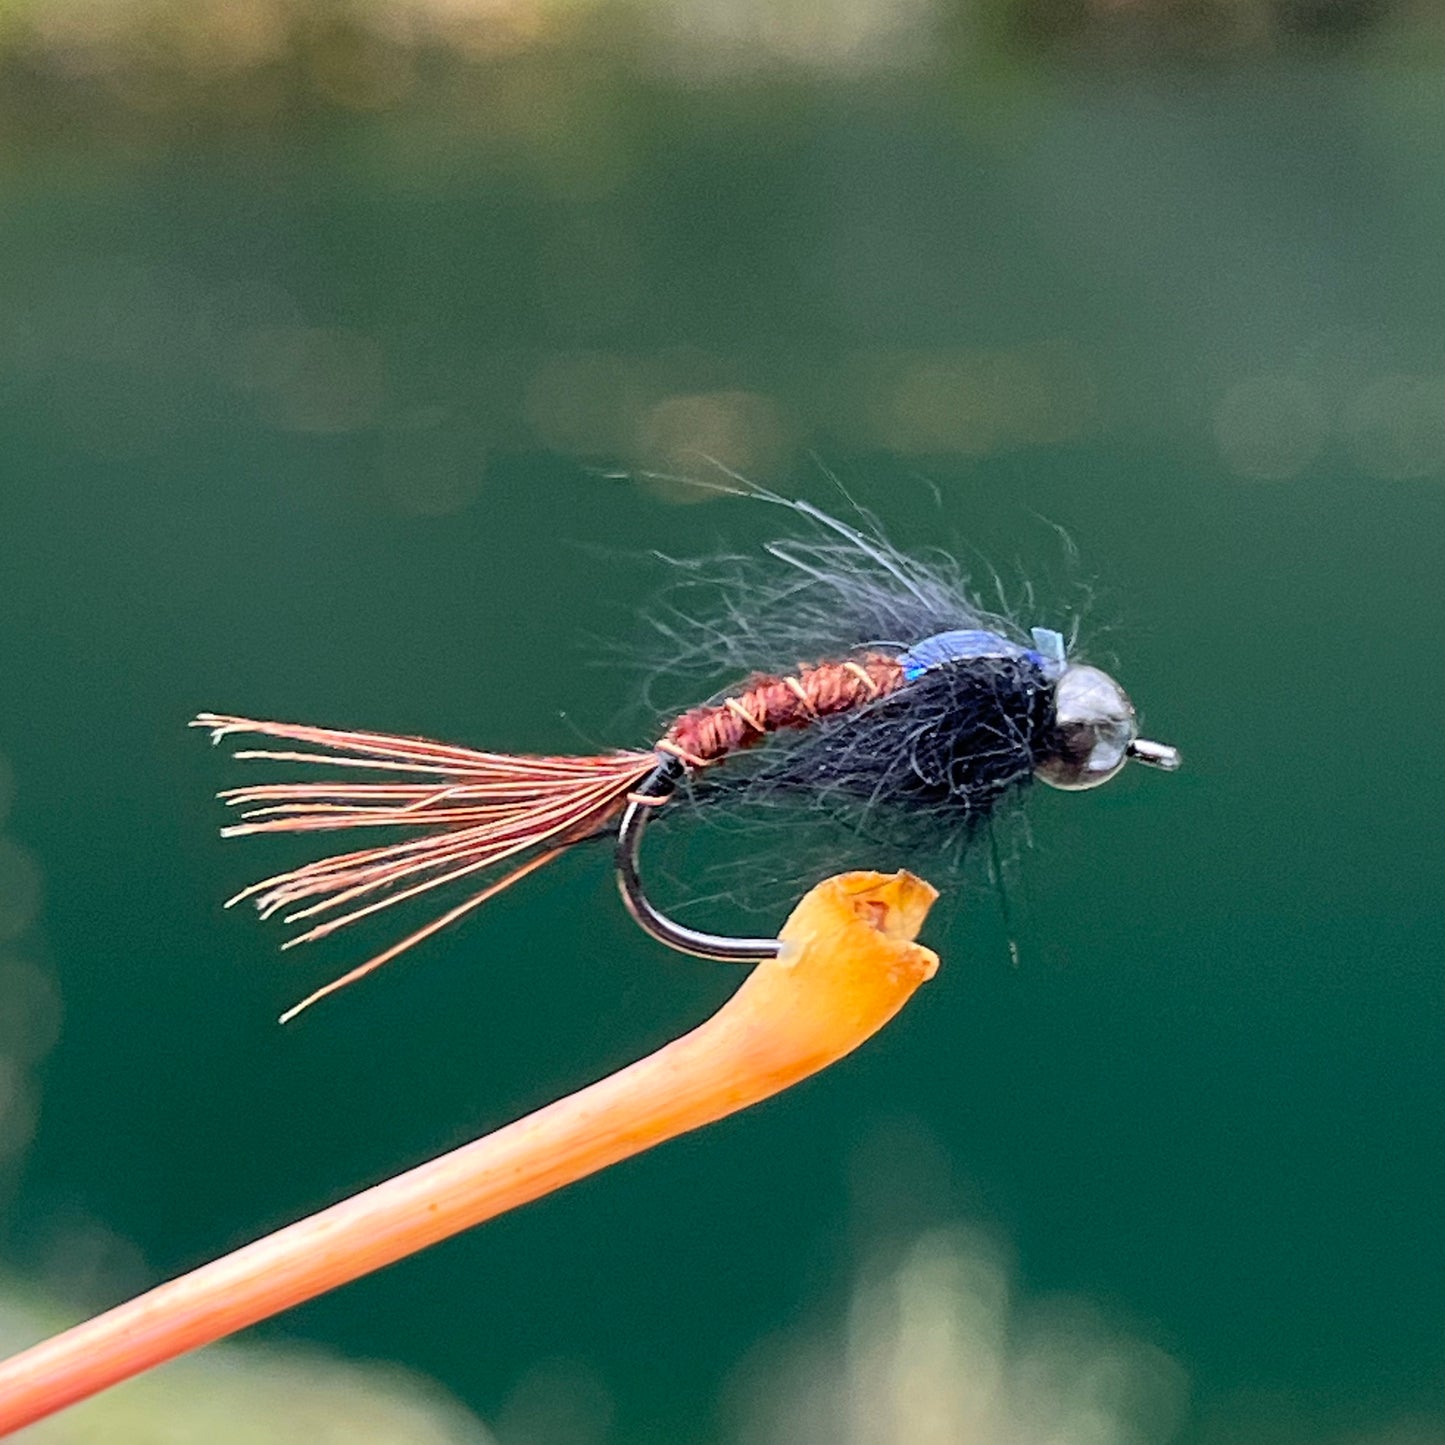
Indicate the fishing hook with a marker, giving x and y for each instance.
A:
(657, 786)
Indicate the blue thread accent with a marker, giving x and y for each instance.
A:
(946, 647)
(942, 648)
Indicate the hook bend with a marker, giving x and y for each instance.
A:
(658, 786)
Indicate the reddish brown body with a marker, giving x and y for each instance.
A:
(709, 733)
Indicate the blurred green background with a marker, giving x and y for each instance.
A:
(322, 330)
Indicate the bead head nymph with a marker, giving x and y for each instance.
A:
(891, 695)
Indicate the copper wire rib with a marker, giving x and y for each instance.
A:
(795, 686)
(739, 711)
(769, 704)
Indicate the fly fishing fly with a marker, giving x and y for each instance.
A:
(914, 699)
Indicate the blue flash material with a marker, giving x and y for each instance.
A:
(1050, 645)
(1047, 653)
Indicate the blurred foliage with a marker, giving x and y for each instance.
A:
(247, 1395)
(165, 62)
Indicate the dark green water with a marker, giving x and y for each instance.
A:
(312, 422)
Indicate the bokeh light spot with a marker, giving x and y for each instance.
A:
(680, 436)
(557, 1402)
(1270, 427)
(1396, 427)
(313, 379)
(937, 1349)
(30, 1011)
(19, 1108)
(586, 403)
(20, 889)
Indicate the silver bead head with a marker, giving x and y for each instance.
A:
(1096, 733)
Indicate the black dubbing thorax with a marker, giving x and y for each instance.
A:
(957, 738)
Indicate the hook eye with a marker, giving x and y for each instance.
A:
(1155, 755)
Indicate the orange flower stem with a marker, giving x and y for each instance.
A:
(851, 965)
